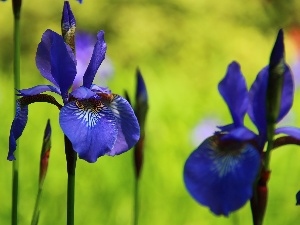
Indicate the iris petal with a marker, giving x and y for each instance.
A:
(240, 134)
(257, 94)
(82, 93)
(234, 91)
(17, 128)
(287, 95)
(290, 131)
(128, 126)
(37, 90)
(220, 175)
(90, 126)
(42, 58)
(96, 60)
(55, 61)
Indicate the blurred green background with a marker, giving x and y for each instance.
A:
(183, 48)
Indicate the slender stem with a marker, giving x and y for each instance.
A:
(270, 145)
(16, 71)
(36, 211)
(71, 199)
(136, 202)
(15, 192)
(71, 157)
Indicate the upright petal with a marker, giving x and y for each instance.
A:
(17, 128)
(127, 125)
(257, 95)
(277, 54)
(287, 95)
(280, 90)
(68, 25)
(141, 101)
(220, 174)
(257, 107)
(96, 60)
(90, 126)
(42, 58)
(234, 91)
(55, 61)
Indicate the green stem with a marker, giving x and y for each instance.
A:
(16, 5)
(270, 146)
(136, 202)
(71, 199)
(71, 157)
(36, 211)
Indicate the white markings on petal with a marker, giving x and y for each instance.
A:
(88, 111)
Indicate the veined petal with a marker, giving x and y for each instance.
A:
(38, 89)
(220, 174)
(55, 61)
(90, 126)
(290, 131)
(127, 124)
(96, 60)
(234, 91)
(17, 128)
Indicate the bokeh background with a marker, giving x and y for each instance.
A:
(182, 48)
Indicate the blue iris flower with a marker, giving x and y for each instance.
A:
(96, 121)
(222, 171)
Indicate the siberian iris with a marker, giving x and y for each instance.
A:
(221, 172)
(96, 121)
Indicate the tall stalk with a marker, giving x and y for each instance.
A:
(16, 5)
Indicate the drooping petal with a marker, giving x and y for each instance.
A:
(17, 128)
(96, 60)
(234, 91)
(55, 61)
(290, 131)
(127, 124)
(38, 89)
(90, 126)
(220, 175)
